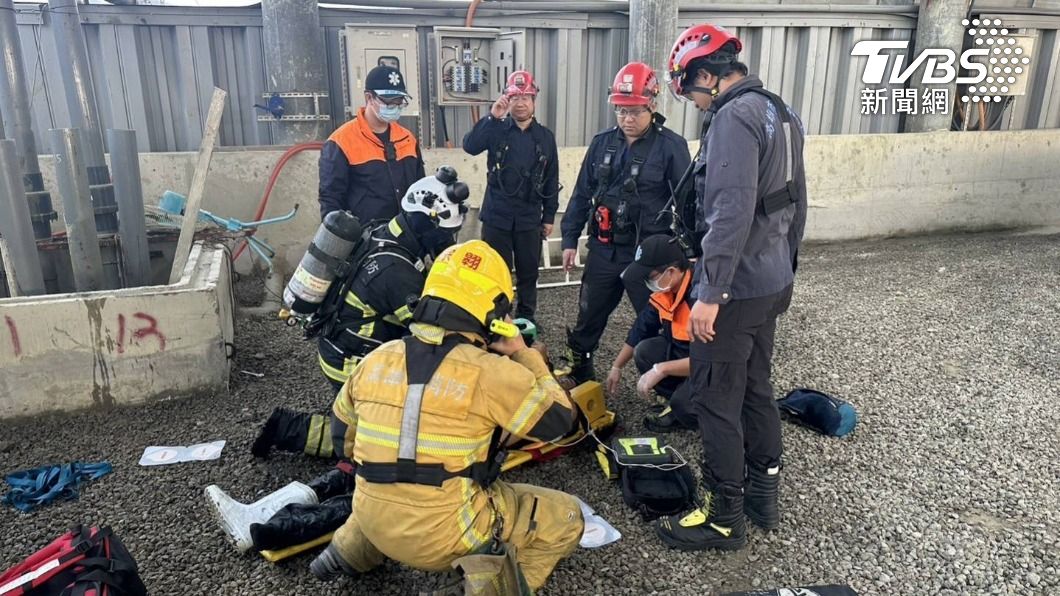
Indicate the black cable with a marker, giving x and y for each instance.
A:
(445, 127)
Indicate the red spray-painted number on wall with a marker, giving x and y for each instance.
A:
(150, 329)
(12, 330)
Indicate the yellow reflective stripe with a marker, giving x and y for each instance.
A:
(327, 448)
(533, 402)
(316, 424)
(392, 320)
(343, 408)
(369, 436)
(339, 375)
(451, 441)
(469, 536)
(428, 443)
(318, 441)
(331, 372)
(355, 301)
(403, 314)
(367, 329)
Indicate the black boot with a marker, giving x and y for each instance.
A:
(762, 489)
(332, 484)
(292, 431)
(665, 421)
(578, 363)
(719, 523)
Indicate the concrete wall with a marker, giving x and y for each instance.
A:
(860, 186)
(71, 351)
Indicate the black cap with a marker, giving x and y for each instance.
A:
(654, 252)
(386, 81)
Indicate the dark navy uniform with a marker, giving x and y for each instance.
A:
(620, 191)
(376, 307)
(751, 193)
(522, 194)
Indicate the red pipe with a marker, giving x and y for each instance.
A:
(469, 21)
(264, 202)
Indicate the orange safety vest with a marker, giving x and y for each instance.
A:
(374, 176)
(361, 145)
(674, 310)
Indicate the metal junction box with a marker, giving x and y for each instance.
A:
(471, 64)
(365, 47)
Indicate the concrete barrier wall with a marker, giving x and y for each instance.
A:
(71, 351)
(860, 186)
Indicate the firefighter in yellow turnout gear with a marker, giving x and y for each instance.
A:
(426, 416)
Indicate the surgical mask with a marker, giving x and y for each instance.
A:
(653, 284)
(388, 113)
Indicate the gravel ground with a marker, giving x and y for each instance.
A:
(948, 346)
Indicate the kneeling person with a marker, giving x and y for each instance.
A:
(426, 415)
(374, 308)
(658, 341)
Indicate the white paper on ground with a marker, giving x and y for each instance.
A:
(597, 531)
(159, 455)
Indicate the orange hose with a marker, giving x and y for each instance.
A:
(470, 18)
(264, 202)
(468, 22)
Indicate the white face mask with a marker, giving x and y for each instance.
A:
(386, 112)
(653, 284)
(389, 113)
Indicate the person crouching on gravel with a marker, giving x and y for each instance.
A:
(658, 341)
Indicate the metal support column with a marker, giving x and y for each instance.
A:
(128, 190)
(72, 179)
(938, 27)
(21, 248)
(652, 31)
(15, 106)
(80, 99)
(294, 69)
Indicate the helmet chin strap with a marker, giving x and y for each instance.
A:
(713, 91)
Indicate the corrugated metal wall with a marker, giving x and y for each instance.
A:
(154, 67)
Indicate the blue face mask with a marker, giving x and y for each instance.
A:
(389, 113)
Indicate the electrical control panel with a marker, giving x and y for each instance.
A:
(364, 48)
(471, 63)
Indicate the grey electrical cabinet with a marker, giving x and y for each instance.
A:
(364, 48)
(471, 64)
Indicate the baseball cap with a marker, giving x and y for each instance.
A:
(653, 253)
(386, 81)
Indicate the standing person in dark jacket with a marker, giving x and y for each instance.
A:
(368, 163)
(624, 183)
(522, 190)
(751, 198)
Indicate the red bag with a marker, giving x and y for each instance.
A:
(82, 562)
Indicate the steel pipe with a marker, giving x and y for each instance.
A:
(27, 278)
(72, 179)
(128, 191)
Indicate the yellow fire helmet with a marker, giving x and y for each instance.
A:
(475, 279)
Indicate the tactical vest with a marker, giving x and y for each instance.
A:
(535, 176)
(614, 218)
